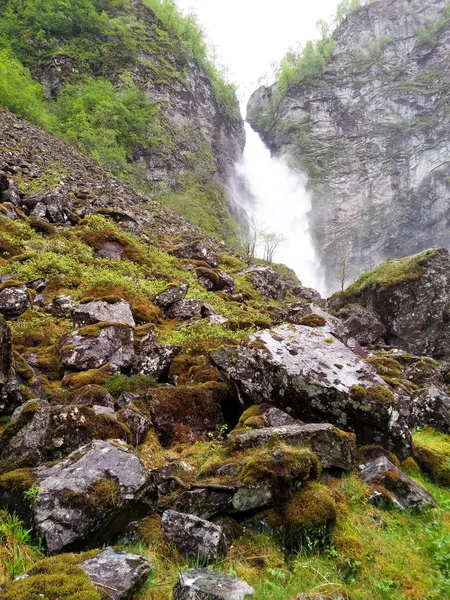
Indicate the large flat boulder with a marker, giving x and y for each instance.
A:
(102, 311)
(203, 584)
(86, 499)
(307, 372)
(333, 447)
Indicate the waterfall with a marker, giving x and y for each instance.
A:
(279, 200)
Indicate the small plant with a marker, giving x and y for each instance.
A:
(32, 494)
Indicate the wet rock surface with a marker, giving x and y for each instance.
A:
(14, 299)
(108, 312)
(203, 584)
(172, 294)
(154, 359)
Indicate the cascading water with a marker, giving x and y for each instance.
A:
(279, 201)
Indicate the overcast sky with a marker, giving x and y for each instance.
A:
(251, 34)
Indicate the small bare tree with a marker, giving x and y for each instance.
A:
(344, 271)
(251, 236)
(272, 241)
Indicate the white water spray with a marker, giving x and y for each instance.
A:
(280, 202)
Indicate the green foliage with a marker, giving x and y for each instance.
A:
(116, 384)
(16, 551)
(430, 29)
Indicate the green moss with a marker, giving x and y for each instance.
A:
(28, 411)
(20, 480)
(359, 392)
(95, 330)
(252, 417)
(56, 578)
(105, 493)
(380, 395)
(386, 366)
(313, 320)
(136, 384)
(433, 463)
(9, 284)
(208, 274)
(76, 381)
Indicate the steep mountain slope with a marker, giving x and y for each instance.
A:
(370, 127)
(135, 92)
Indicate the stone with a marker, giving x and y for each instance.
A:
(204, 584)
(102, 311)
(90, 497)
(170, 295)
(267, 281)
(154, 359)
(61, 307)
(107, 343)
(333, 447)
(198, 250)
(54, 205)
(215, 280)
(111, 249)
(10, 397)
(14, 299)
(430, 407)
(120, 573)
(401, 488)
(193, 536)
(138, 424)
(93, 395)
(203, 502)
(362, 325)
(38, 432)
(307, 372)
(264, 415)
(188, 309)
(188, 412)
(414, 306)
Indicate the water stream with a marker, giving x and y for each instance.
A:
(279, 201)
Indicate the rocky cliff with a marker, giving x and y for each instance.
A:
(371, 131)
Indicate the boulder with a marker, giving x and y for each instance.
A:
(14, 299)
(198, 250)
(88, 498)
(203, 502)
(188, 309)
(38, 432)
(333, 447)
(110, 249)
(203, 584)
(214, 279)
(61, 307)
(154, 359)
(267, 281)
(264, 415)
(121, 573)
(93, 395)
(137, 423)
(193, 536)
(401, 488)
(430, 406)
(10, 396)
(413, 303)
(307, 372)
(172, 294)
(54, 205)
(102, 311)
(188, 412)
(96, 345)
(362, 325)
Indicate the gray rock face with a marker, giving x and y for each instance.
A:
(334, 448)
(91, 496)
(188, 309)
(403, 490)
(315, 378)
(430, 406)
(203, 584)
(9, 397)
(114, 345)
(204, 503)
(61, 307)
(215, 280)
(198, 250)
(121, 573)
(193, 536)
(137, 423)
(96, 312)
(110, 250)
(414, 309)
(173, 294)
(372, 134)
(14, 300)
(54, 205)
(362, 325)
(154, 359)
(267, 281)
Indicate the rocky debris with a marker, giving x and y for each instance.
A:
(204, 502)
(60, 307)
(413, 306)
(39, 432)
(88, 498)
(315, 378)
(154, 359)
(110, 249)
(198, 250)
(430, 406)
(204, 584)
(267, 281)
(310, 295)
(54, 205)
(264, 415)
(362, 325)
(92, 395)
(402, 489)
(137, 423)
(215, 280)
(333, 447)
(193, 536)
(101, 344)
(102, 311)
(187, 412)
(188, 309)
(121, 573)
(14, 299)
(172, 294)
